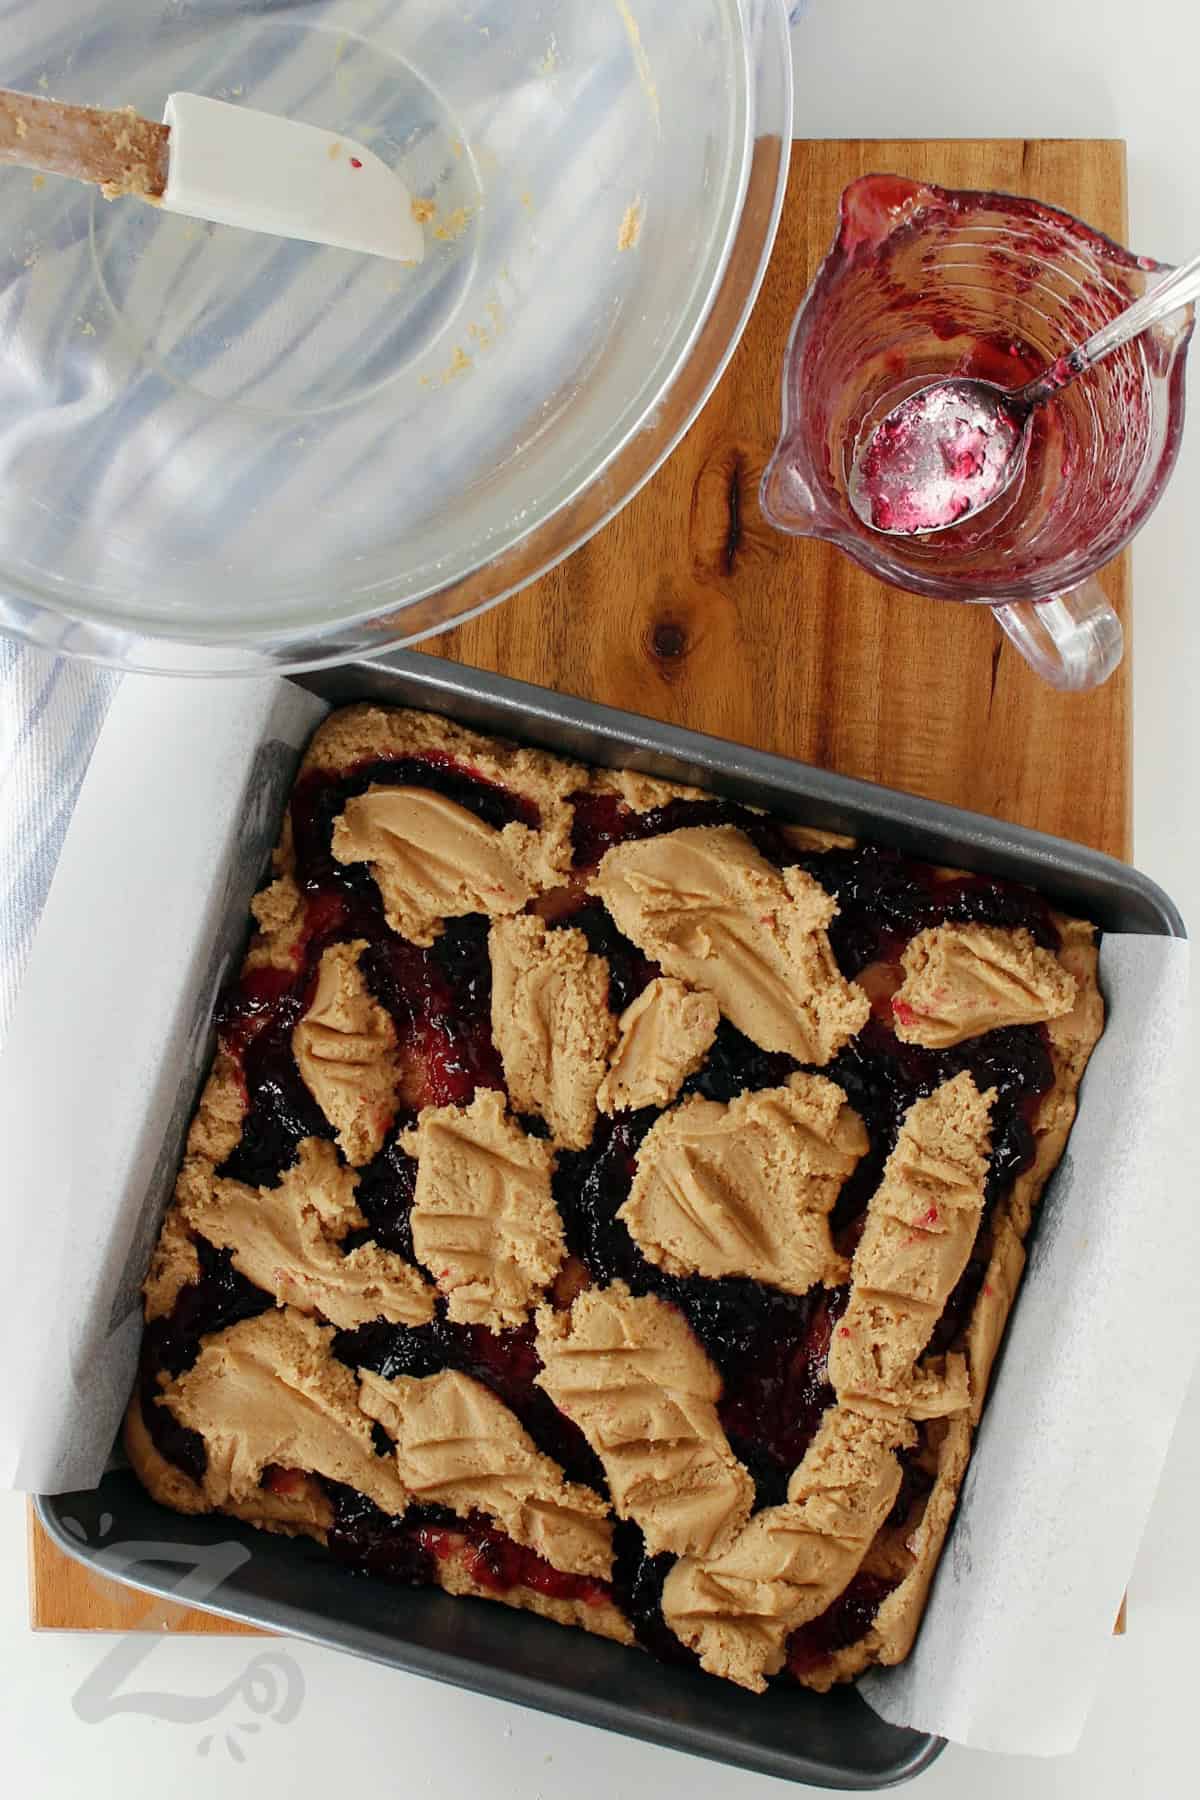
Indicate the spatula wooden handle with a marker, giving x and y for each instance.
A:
(120, 152)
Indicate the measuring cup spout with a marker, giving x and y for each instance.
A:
(789, 502)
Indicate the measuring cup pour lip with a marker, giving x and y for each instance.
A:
(801, 493)
(873, 208)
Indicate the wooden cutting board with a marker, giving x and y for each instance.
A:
(690, 608)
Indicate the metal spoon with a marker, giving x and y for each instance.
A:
(951, 448)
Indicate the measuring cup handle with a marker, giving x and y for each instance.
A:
(1073, 640)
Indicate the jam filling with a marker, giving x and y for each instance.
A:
(409, 1549)
(637, 1586)
(320, 797)
(840, 1625)
(439, 997)
(218, 1298)
(603, 820)
(915, 1485)
(506, 1362)
(629, 972)
(386, 1190)
(884, 899)
(771, 1348)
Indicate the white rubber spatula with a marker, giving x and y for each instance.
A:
(229, 164)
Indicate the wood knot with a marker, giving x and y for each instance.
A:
(668, 640)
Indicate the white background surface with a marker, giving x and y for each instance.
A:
(887, 68)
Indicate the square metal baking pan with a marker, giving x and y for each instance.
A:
(832, 1740)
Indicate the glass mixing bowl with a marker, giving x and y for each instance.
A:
(226, 452)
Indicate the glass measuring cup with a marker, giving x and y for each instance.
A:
(923, 282)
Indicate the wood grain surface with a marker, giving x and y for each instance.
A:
(690, 608)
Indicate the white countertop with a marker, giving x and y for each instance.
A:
(886, 68)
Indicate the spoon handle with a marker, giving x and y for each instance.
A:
(1179, 288)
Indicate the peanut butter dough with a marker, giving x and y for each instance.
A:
(960, 980)
(746, 1189)
(458, 1446)
(665, 1035)
(452, 868)
(345, 1050)
(483, 1221)
(712, 912)
(738, 1610)
(921, 1225)
(632, 1376)
(551, 1024)
(269, 1393)
(432, 859)
(287, 1241)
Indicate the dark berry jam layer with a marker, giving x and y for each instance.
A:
(603, 820)
(440, 1001)
(280, 1111)
(439, 998)
(629, 972)
(884, 898)
(319, 798)
(506, 1362)
(915, 1485)
(771, 1348)
(409, 1549)
(736, 1066)
(220, 1297)
(840, 1625)
(637, 1585)
(386, 1190)
(882, 1078)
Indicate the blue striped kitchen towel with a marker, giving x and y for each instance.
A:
(51, 711)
